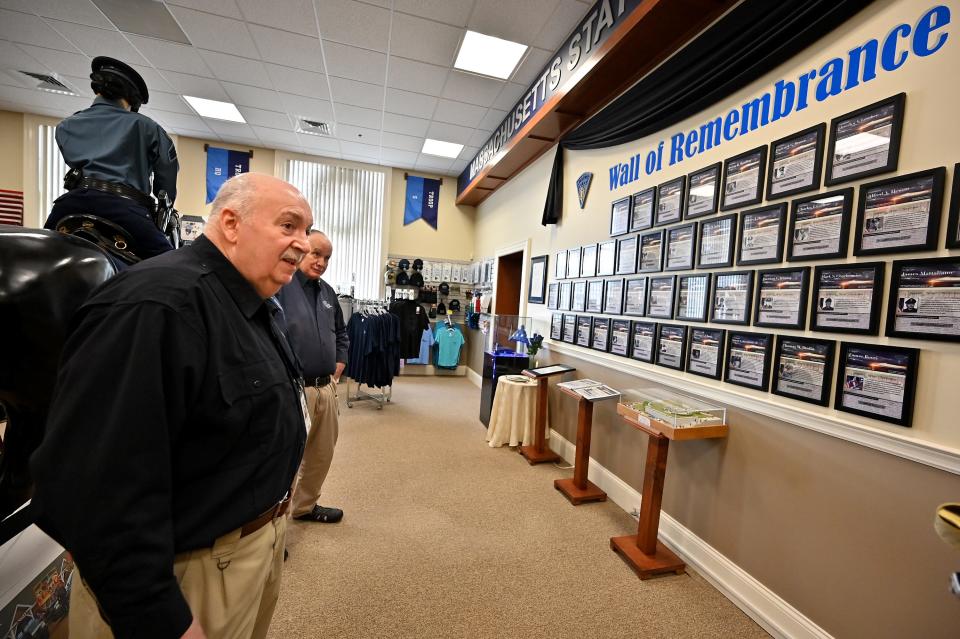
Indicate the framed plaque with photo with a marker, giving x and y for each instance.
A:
(796, 162)
(556, 326)
(924, 299)
(584, 327)
(573, 262)
(613, 297)
(865, 142)
(553, 296)
(595, 296)
(560, 265)
(703, 192)
(743, 177)
(627, 255)
(716, 242)
(569, 328)
(953, 219)
(847, 297)
(693, 297)
(643, 206)
(670, 201)
(761, 235)
(877, 381)
(635, 296)
(643, 341)
(732, 297)
(579, 302)
(606, 257)
(620, 337)
(588, 260)
(706, 352)
(820, 226)
(651, 252)
(660, 297)
(748, 359)
(781, 297)
(601, 334)
(620, 216)
(803, 369)
(671, 346)
(564, 296)
(900, 214)
(680, 249)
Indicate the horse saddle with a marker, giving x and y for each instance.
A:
(108, 236)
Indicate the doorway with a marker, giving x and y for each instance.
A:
(509, 283)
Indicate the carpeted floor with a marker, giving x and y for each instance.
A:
(446, 537)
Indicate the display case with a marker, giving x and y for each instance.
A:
(504, 353)
(673, 414)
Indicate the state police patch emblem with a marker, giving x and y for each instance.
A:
(583, 187)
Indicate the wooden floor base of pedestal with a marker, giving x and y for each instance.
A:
(576, 495)
(533, 457)
(646, 566)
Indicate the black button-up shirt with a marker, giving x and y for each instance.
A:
(175, 420)
(315, 323)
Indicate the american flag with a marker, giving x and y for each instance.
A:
(11, 207)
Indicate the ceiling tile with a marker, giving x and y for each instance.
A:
(360, 159)
(183, 121)
(449, 133)
(298, 81)
(478, 138)
(358, 116)
(511, 20)
(354, 23)
(396, 156)
(357, 148)
(530, 69)
(288, 49)
(215, 33)
(261, 118)
(168, 102)
(405, 124)
(401, 142)
(299, 105)
(220, 7)
(200, 87)
(468, 153)
(407, 103)
(243, 95)
(75, 64)
(14, 57)
(29, 29)
(356, 134)
(78, 11)
(453, 12)
(276, 136)
(290, 15)
(492, 119)
(318, 143)
(231, 129)
(96, 42)
(567, 16)
(460, 113)
(344, 61)
(433, 163)
(360, 94)
(411, 75)
(509, 96)
(466, 87)
(169, 56)
(234, 69)
(155, 81)
(424, 40)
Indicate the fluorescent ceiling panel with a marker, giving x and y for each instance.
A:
(214, 109)
(443, 149)
(487, 55)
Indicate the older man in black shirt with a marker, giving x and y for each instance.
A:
(177, 428)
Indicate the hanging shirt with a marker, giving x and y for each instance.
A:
(449, 341)
(426, 343)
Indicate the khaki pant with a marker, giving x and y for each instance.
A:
(234, 603)
(318, 452)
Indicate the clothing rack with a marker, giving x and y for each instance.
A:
(368, 307)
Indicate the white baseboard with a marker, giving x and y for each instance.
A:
(474, 377)
(764, 606)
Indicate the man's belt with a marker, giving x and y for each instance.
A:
(121, 190)
(277, 511)
(318, 382)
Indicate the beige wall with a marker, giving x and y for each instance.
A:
(842, 532)
(11, 151)
(453, 239)
(191, 182)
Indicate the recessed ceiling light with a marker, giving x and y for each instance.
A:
(214, 109)
(488, 55)
(443, 149)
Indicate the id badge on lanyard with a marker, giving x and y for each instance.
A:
(303, 407)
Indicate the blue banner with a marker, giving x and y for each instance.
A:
(223, 164)
(422, 201)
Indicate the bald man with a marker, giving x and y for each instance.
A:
(316, 327)
(177, 428)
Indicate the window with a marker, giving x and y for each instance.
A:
(347, 205)
(51, 169)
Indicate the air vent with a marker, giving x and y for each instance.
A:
(315, 128)
(49, 83)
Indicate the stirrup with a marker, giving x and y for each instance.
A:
(108, 236)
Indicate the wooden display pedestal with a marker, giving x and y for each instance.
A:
(645, 554)
(539, 453)
(578, 489)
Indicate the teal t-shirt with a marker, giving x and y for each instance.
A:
(449, 339)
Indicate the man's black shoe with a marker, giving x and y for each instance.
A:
(322, 515)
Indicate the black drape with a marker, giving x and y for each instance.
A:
(748, 42)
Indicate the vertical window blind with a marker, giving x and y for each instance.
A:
(347, 205)
(50, 169)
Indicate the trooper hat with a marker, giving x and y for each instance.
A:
(404, 264)
(455, 306)
(416, 279)
(418, 264)
(103, 67)
(444, 288)
(441, 309)
(402, 278)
